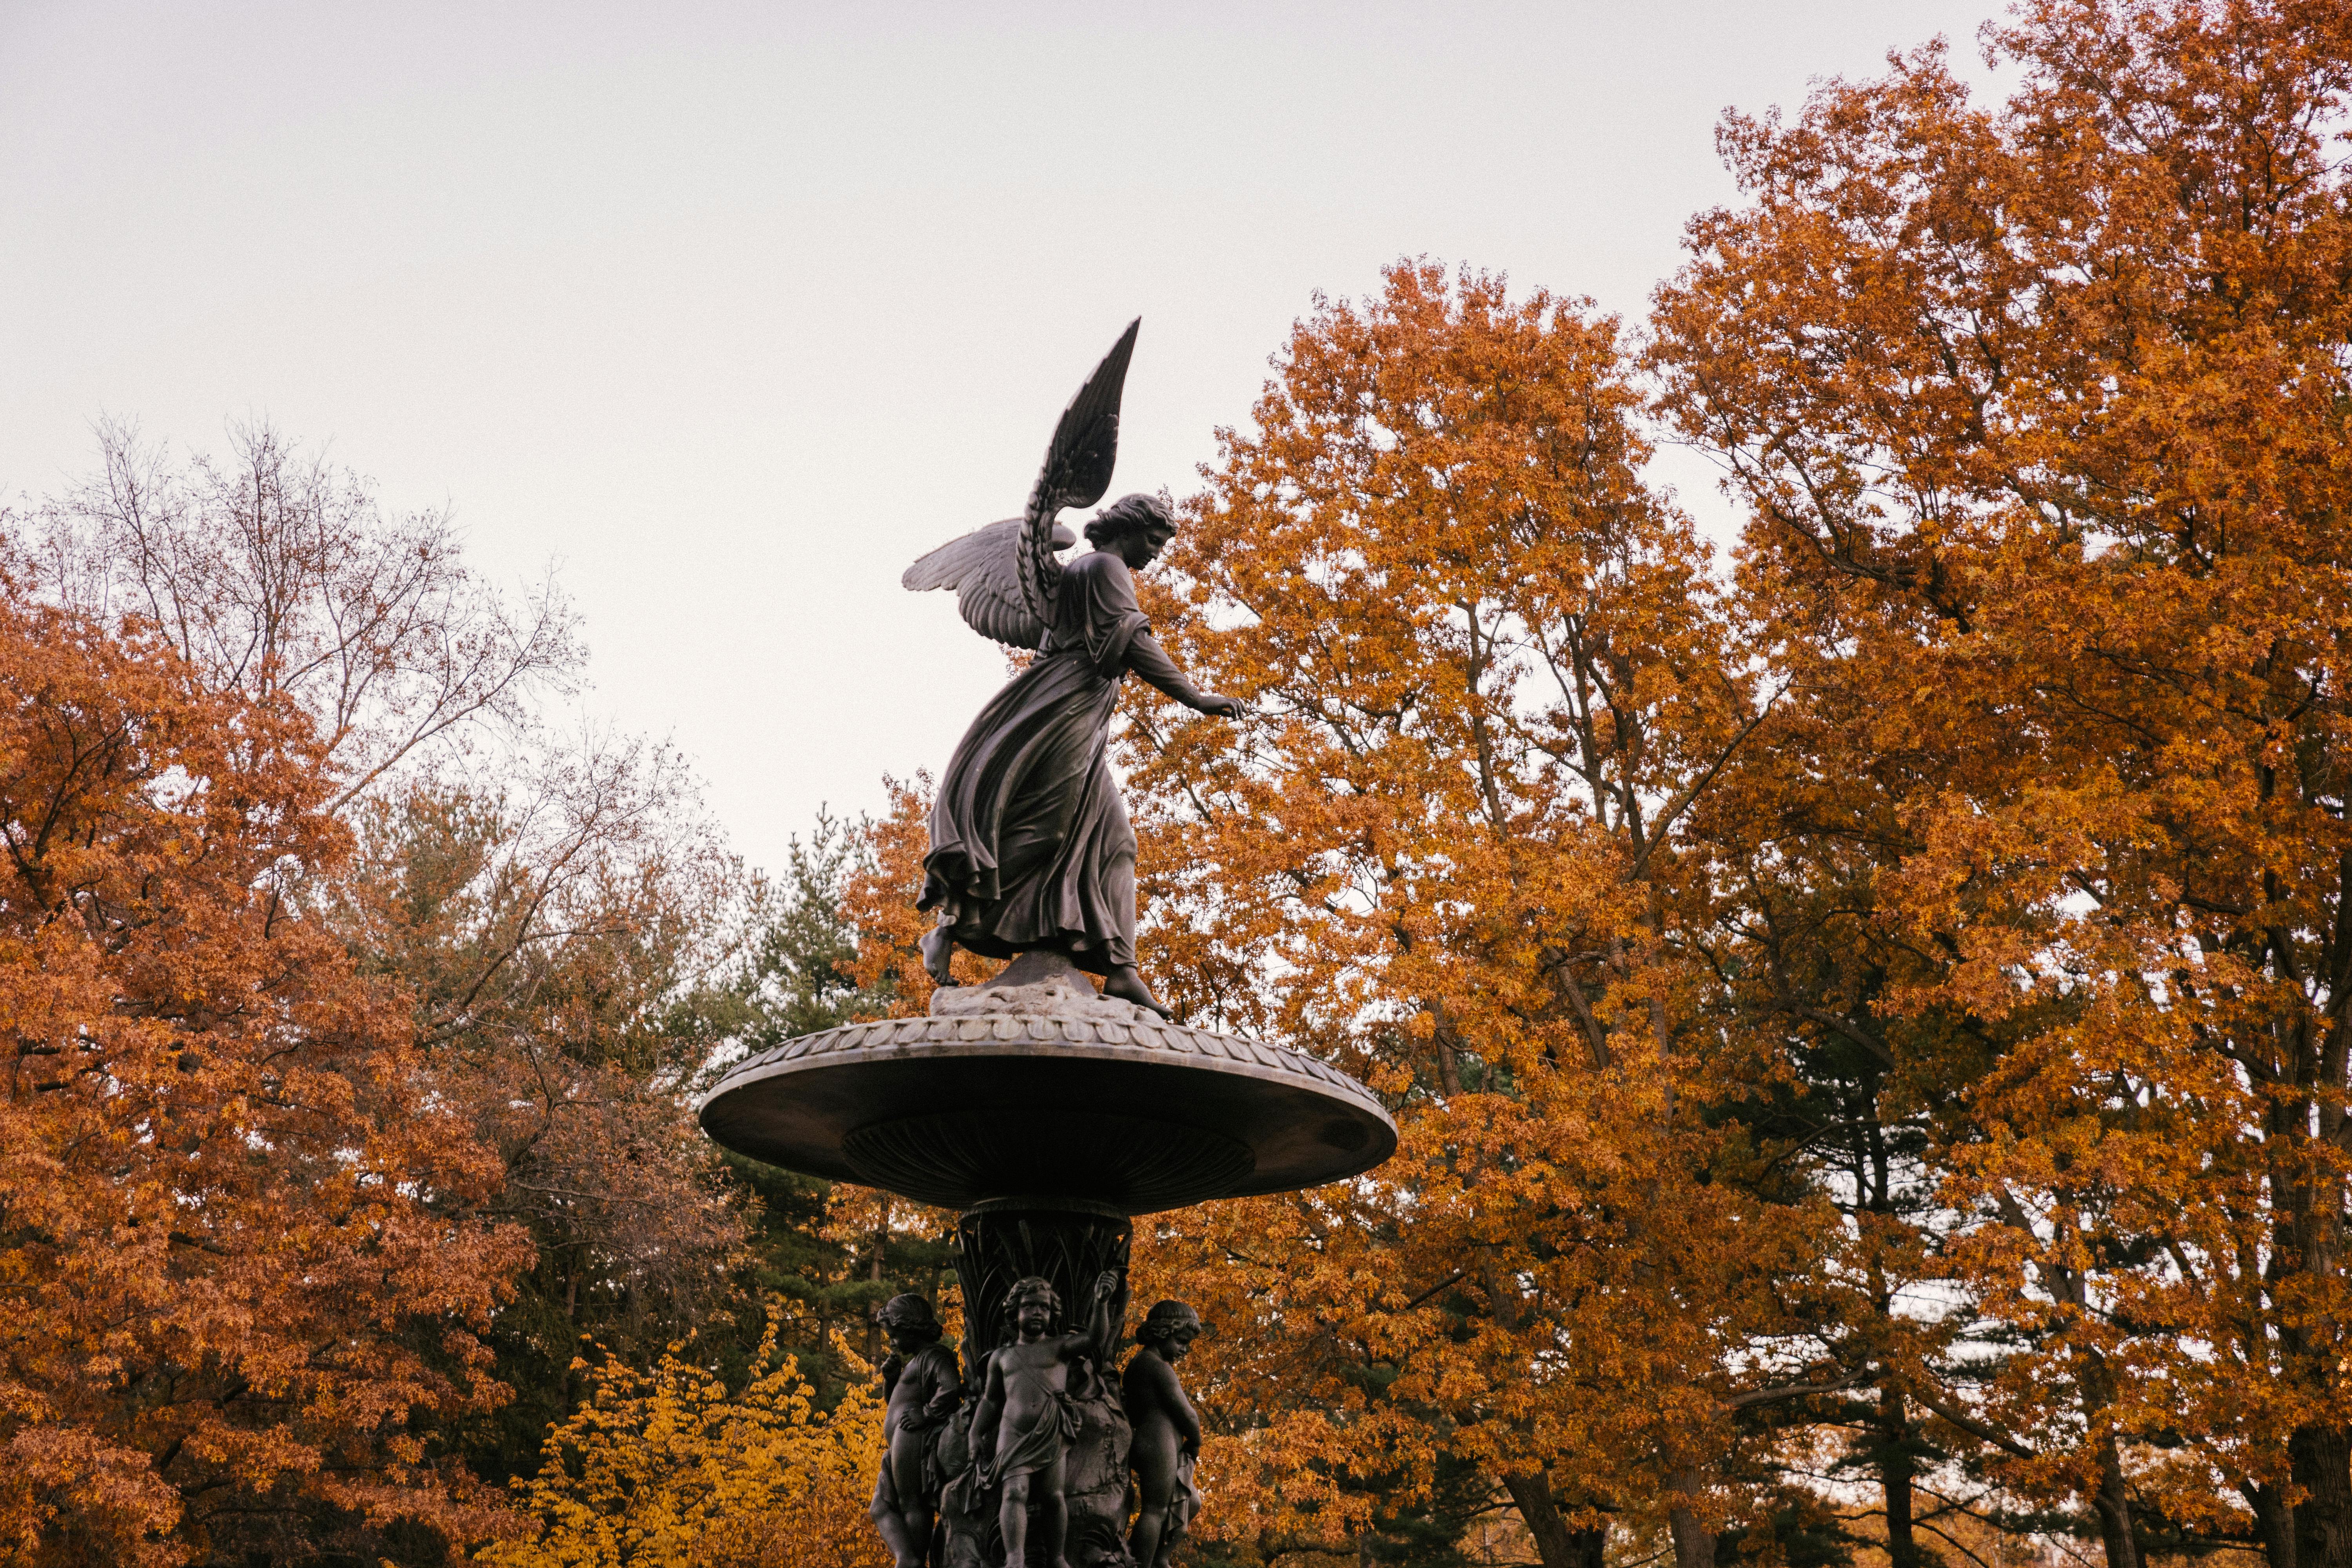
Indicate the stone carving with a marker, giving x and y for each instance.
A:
(967, 1520)
(923, 1389)
(1034, 985)
(1054, 1102)
(1031, 848)
(1034, 1469)
(1167, 1432)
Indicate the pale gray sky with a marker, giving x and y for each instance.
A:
(731, 310)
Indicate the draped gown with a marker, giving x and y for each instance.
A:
(1031, 846)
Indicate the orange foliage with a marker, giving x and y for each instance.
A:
(1491, 674)
(880, 903)
(2040, 411)
(1896, 987)
(235, 1245)
(1911, 968)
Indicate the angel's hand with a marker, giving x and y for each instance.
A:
(1106, 1284)
(1220, 706)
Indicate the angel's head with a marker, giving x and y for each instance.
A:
(1134, 527)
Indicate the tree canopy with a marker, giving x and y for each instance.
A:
(1864, 1004)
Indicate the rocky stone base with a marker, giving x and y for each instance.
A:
(1037, 985)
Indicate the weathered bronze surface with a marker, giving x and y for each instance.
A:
(923, 1391)
(1031, 848)
(1047, 1112)
(1139, 1114)
(1165, 1433)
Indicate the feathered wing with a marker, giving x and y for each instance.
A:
(1076, 471)
(984, 568)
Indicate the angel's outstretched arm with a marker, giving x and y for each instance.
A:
(1149, 660)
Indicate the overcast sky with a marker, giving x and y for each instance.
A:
(731, 310)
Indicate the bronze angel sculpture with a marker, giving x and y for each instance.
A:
(1031, 848)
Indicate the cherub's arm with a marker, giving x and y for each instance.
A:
(1159, 1382)
(1180, 1414)
(946, 1392)
(1109, 1308)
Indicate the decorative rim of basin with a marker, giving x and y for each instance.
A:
(814, 1102)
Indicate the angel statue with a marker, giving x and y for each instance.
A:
(1031, 848)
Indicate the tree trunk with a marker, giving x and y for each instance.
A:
(1590, 1546)
(1693, 1542)
(2112, 1505)
(2321, 1458)
(1556, 1544)
(2275, 1522)
(1895, 1471)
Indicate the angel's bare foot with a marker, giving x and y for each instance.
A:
(1128, 985)
(939, 951)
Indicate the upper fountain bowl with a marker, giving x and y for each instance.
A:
(1034, 1087)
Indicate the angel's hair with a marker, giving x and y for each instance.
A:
(1129, 514)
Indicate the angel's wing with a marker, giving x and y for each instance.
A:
(1075, 473)
(983, 569)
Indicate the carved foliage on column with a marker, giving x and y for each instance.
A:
(1001, 1243)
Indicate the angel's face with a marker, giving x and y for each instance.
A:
(1139, 547)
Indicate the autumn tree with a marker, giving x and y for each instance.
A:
(1493, 675)
(273, 572)
(2039, 411)
(245, 1254)
(814, 960)
(545, 917)
(564, 945)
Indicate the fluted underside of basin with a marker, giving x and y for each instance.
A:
(1143, 1116)
(1143, 1165)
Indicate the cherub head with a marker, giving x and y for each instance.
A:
(1032, 1303)
(1134, 527)
(1170, 1328)
(908, 1322)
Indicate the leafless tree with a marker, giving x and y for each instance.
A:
(276, 571)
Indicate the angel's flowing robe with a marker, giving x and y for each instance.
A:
(1031, 846)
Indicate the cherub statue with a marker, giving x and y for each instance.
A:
(1031, 848)
(1167, 1432)
(922, 1385)
(1022, 1426)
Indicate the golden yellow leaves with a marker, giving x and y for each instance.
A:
(666, 1469)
